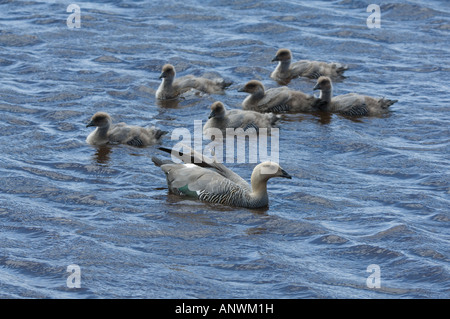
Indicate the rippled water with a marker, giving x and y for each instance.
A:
(366, 191)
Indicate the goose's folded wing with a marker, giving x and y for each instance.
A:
(300, 67)
(350, 104)
(131, 135)
(119, 133)
(275, 100)
(257, 120)
(185, 83)
(312, 69)
(236, 118)
(191, 156)
(194, 181)
(201, 84)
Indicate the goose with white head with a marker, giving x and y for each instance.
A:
(209, 181)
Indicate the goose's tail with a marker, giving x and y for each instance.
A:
(385, 103)
(160, 133)
(158, 162)
(341, 68)
(225, 84)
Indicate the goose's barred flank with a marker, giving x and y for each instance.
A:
(315, 75)
(281, 108)
(235, 196)
(357, 111)
(135, 141)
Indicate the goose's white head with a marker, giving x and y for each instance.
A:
(268, 170)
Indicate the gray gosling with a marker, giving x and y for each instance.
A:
(276, 100)
(171, 87)
(210, 181)
(221, 118)
(351, 104)
(108, 133)
(286, 71)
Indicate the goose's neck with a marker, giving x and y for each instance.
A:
(283, 66)
(326, 95)
(259, 190)
(258, 95)
(102, 132)
(167, 82)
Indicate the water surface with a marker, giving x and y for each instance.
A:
(365, 191)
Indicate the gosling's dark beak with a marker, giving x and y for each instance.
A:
(316, 87)
(163, 75)
(275, 59)
(284, 174)
(90, 124)
(212, 114)
(242, 89)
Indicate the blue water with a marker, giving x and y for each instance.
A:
(365, 191)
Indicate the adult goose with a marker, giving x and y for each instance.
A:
(207, 180)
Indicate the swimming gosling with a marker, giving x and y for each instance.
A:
(221, 118)
(171, 87)
(286, 71)
(351, 104)
(108, 133)
(213, 182)
(276, 100)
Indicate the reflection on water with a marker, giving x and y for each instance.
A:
(324, 117)
(102, 154)
(170, 103)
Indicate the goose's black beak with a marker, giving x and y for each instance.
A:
(284, 174)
